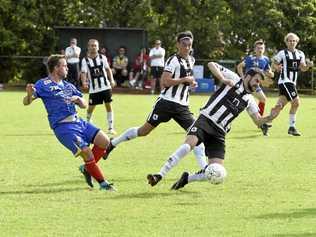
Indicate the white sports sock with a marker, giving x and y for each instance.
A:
(197, 177)
(199, 152)
(89, 115)
(129, 134)
(110, 119)
(182, 151)
(292, 119)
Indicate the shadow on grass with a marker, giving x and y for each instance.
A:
(294, 235)
(308, 212)
(245, 137)
(40, 191)
(28, 135)
(62, 183)
(148, 195)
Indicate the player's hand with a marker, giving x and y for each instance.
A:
(75, 99)
(309, 63)
(112, 83)
(279, 67)
(30, 89)
(190, 80)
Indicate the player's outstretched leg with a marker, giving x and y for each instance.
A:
(153, 179)
(181, 182)
(86, 175)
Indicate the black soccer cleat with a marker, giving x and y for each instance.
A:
(109, 148)
(292, 131)
(265, 128)
(86, 175)
(153, 179)
(181, 182)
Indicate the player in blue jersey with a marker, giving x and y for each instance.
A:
(60, 98)
(259, 60)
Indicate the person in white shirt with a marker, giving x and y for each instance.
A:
(288, 62)
(72, 54)
(157, 63)
(96, 75)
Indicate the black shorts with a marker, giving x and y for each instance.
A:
(212, 137)
(288, 90)
(100, 97)
(165, 110)
(156, 72)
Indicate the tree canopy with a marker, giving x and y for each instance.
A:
(221, 28)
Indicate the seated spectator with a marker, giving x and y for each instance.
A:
(139, 71)
(107, 54)
(119, 67)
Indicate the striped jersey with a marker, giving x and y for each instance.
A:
(95, 69)
(228, 102)
(291, 62)
(179, 67)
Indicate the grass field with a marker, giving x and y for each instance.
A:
(270, 189)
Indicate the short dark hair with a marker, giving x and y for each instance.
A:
(258, 42)
(53, 61)
(253, 71)
(184, 35)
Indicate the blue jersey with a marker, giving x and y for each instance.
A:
(56, 98)
(252, 61)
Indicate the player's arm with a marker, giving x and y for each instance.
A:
(81, 102)
(259, 120)
(269, 73)
(218, 74)
(110, 76)
(167, 80)
(304, 66)
(240, 68)
(28, 99)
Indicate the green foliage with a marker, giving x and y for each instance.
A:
(26, 26)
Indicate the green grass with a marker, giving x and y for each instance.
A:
(270, 189)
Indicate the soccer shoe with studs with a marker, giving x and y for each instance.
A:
(107, 187)
(265, 128)
(86, 175)
(181, 182)
(109, 148)
(153, 179)
(292, 131)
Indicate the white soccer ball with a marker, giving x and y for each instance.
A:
(215, 173)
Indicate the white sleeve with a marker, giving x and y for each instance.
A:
(68, 52)
(84, 66)
(228, 74)
(78, 50)
(163, 52)
(303, 60)
(252, 107)
(151, 53)
(171, 65)
(278, 57)
(105, 62)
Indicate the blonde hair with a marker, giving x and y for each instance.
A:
(293, 35)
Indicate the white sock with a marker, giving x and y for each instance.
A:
(89, 115)
(110, 118)
(182, 151)
(129, 134)
(292, 119)
(199, 152)
(197, 177)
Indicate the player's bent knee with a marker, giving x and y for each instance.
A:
(86, 154)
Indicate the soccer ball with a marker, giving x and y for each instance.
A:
(215, 173)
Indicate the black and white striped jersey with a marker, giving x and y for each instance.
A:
(95, 68)
(179, 67)
(228, 102)
(291, 62)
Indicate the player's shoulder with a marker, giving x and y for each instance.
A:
(43, 81)
(172, 59)
(300, 52)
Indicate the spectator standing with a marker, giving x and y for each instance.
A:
(72, 54)
(157, 63)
